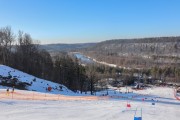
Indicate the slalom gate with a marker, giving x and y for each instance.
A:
(128, 105)
(136, 117)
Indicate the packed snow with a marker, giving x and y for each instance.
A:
(156, 103)
(166, 108)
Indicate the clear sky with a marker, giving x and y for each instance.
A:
(81, 21)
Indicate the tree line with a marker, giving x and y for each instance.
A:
(21, 52)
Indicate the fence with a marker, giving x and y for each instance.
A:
(32, 95)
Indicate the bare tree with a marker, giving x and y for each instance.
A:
(6, 39)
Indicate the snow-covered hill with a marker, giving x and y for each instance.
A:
(157, 103)
(165, 107)
(33, 83)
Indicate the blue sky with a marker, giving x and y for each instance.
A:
(81, 21)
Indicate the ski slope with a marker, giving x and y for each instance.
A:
(108, 109)
(166, 107)
(38, 104)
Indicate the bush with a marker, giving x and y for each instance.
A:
(34, 80)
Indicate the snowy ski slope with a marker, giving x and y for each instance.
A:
(66, 105)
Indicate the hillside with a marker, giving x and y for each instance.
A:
(66, 47)
(11, 77)
(143, 52)
(156, 102)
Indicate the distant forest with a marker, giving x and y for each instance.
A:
(153, 57)
(159, 53)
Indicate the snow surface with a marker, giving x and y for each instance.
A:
(109, 109)
(39, 85)
(66, 105)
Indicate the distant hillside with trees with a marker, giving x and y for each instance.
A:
(154, 54)
(140, 53)
(54, 48)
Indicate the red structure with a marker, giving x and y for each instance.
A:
(128, 105)
(49, 89)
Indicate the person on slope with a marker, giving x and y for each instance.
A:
(7, 91)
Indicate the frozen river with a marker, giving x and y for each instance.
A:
(83, 58)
